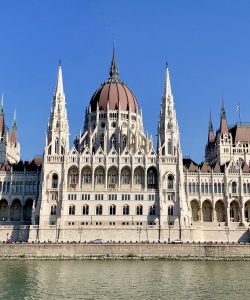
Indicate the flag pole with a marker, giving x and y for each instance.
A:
(239, 113)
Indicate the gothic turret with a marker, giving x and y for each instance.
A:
(58, 128)
(210, 130)
(168, 130)
(223, 119)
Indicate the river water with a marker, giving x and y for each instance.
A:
(124, 280)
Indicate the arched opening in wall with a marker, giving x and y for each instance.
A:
(54, 181)
(125, 176)
(170, 182)
(85, 209)
(62, 150)
(139, 177)
(234, 211)
(72, 209)
(113, 141)
(195, 208)
(163, 151)
(220, 211)
(234, 187)
(139, 210)
(124, 142)
(4, 210)
(125, 209)
(152, 178)
(102, 141)
(56, 146)
(73, 175)
(99, 176)
(27, 210)
(86, 176)
(169, 147)
(53, 210)
(49, 150)
(15, 210)
(207, 211)
(112, 177)
(98, 209)
(112, 210)
(247, 211)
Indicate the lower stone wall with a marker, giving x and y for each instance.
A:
(124, 234)
(124, 251)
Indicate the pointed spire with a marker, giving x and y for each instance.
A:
(113, 68)
(2, 106)
(223, 119)
(14, 119)
(222, 111)
(59, 82)
(210, 129)
(167, 87)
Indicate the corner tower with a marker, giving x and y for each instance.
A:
(173, 203)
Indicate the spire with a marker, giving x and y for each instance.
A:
(59, 82)
(167, 88)
(13, 134)
(210, 129)
(14, 119)
(113, 68)
(2, 107)
(223, 119)
(222, 111)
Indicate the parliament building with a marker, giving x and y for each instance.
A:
(114, 184)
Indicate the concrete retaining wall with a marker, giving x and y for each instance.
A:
(124, 250)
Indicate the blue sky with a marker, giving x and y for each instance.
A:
(206, 44)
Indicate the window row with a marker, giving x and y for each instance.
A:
(124, 197)
(112, 210)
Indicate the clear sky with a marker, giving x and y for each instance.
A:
(206, 44)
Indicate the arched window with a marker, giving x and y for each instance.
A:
(102, 141)
(113, 141)
(215, 188)
(54, 181)
(85, 209)
(219, 188)
(138, 176)
(86, 176)
(73, 177)
(210, 188)
(152, 210)
(193, 187)
(125, 210)
(197, 188)
(99, 175)
(139, 210)
(57, 146)
(171, 210)
(112, 176)
(206, 188)
(202, 188)
(112, 209)
(53, 210)
(124, 141)
(169, 147)
(244, 188)
(234, 187)
(170, 182)
(98, 209)
(72, 209)
(189, 187)
(125, 176)
(248, 188)
(152, 178)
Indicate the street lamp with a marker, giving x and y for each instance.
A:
(80, 230)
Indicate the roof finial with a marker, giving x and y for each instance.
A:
(14, 118)
(222, 112)
(1, 107)
(113, 68)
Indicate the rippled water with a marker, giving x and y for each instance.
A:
(124, 280)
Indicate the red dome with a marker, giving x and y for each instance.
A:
(116, 94)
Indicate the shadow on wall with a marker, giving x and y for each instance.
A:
(245, 237)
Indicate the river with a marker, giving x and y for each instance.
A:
(25, 279)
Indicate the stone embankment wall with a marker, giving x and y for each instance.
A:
(102, 251)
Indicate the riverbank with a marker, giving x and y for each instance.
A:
(126, 251)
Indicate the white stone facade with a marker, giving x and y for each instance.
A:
(113, 184)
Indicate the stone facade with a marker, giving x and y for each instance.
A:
(113, 184)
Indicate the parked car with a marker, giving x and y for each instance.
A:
(97, 241)
(177, 241)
